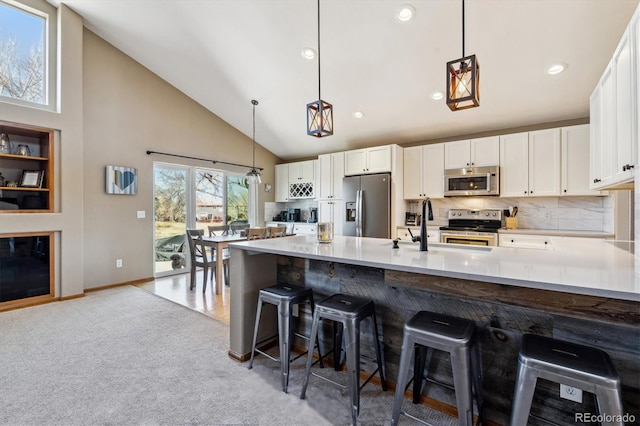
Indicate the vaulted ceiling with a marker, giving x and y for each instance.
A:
(223, 53)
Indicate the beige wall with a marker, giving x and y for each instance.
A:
(67, 220)
(111, 111)
(127, 111)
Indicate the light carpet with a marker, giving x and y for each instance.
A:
(126, 357)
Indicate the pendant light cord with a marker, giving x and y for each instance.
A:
(253, 137)
(319, 79)
(463, 28)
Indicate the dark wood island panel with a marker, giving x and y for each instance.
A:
(502, 314)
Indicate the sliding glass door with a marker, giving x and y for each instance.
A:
(187, 198)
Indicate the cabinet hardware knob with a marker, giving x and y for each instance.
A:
(565, 190)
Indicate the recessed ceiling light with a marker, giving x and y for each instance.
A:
(436, 96)
(358, 114)
(405, 13)
(308, 53)
(557, 68)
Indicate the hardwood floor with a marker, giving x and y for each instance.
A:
(176, 289)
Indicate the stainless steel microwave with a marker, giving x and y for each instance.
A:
(472, 181)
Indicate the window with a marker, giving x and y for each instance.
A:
(25, 39)
(189, 197)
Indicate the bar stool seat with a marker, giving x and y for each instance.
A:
(428, 330)
(347, 312)
(284, 296)
(583, 367)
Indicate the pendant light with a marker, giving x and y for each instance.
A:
(463, 80)
(253, 176)
(319, 113)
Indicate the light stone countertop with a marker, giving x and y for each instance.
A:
(558, 233)
(592, 267)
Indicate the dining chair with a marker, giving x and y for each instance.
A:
(199, 257)
(237, 228)
(256, 233)
(215, 230)
(276, 231)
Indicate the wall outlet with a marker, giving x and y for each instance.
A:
(571, 393)
(141, 214)
(119, 263)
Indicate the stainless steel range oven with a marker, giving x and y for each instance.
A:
(472, 227)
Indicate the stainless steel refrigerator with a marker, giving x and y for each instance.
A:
(368, 205)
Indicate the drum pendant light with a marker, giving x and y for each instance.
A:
(253, 176)
(319, 113)
(463, 79)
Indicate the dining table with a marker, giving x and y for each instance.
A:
(219, 243)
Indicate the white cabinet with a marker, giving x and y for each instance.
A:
(304, 228)
(330, 176)
(478, 152)
(368, 160)
(575, 161)
(525, 241)
(614, 115)
(424, 171)
(530, 164)
(282, 183)
(332, 211)
(302, 171)
(433, 233)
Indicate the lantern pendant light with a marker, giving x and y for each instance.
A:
(253, 176)
(463, 79)
(319, 113)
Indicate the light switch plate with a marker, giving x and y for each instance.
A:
(570, 393)
(141, 214)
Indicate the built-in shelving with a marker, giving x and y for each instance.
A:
(35, 193)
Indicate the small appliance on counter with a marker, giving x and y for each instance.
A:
(293, 215)
(412, 219)
(313, 215)
(281, 217)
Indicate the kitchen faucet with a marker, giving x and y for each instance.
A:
(422, 238)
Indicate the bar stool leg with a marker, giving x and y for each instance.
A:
(255, 332)
(609, 404)
(352, 348)
(377, 343)
(461, 362)
(338, 330)
(406, 353)
(418, 371)
(312, 338)
(284, 334)
(526, 380)
(313, 309)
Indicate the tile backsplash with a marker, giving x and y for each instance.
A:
(553, 213)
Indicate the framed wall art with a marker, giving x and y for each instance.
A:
(121, 180)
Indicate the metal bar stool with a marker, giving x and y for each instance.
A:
(428, 331)
(284, 297)
(582, 367)
(347, 312)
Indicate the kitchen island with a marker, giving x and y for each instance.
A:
(587, 293)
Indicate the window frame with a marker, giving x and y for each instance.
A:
(49, 14)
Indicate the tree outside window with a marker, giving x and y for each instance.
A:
(22, 55)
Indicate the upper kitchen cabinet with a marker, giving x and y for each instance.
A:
(367, 160)
(330, 177)
(530, 164)
(424, 171)
(282, 183)
(478, 152)
(575, 161)
(295, 181)
(26, 169)
(614, 115)
(302, 171)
